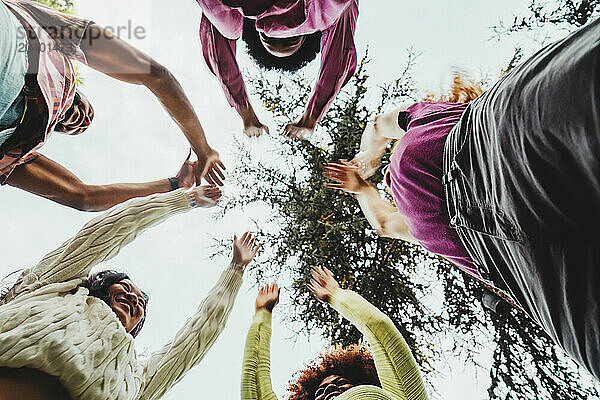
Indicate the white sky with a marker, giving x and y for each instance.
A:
(133, 139)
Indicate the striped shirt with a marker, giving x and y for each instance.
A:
(59, 37)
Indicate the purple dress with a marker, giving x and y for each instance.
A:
(416, 180)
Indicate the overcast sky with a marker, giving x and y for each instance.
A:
(133, 139)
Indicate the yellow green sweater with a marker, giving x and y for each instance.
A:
(397, 369)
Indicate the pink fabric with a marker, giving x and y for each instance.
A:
(222, 25)
(56, 78)
(416, 180)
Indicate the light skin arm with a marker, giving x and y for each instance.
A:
(110, 55)
(376, 137)
(45, 177)
(382, 216)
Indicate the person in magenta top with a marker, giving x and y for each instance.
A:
(414, 176)
(284, 35)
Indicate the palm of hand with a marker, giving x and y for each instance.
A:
(296, 131)
(268, 297)
(244, 249)
(346, 177)
(323, 285)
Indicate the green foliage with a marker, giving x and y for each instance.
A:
(569, 14)
(311, 225)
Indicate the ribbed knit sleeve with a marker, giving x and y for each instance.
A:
(167, 366)
(100, 240)
(396, 367)
(256, 368)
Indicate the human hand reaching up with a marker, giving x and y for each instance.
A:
(302, 129)
(268, 297)
(322, 284)
(185, 177)
(346, 176)
(244, 249)
(209, 167)
(252, 125)
(206, 196)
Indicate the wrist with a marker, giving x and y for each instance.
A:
(264, 308)
(307, 122)
(237, 266)
(173, 183)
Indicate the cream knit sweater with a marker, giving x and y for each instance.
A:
(49, 323)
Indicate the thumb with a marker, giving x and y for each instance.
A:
(189, 155)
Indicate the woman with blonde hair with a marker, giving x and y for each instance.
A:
(507, 187)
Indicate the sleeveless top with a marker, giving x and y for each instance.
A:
(416, 171)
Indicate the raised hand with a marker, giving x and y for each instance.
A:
(301, 129)
(209, 167)
(346, 177)
(252, 125)
(207, 195)
(185, 176)
(322, 284)
(244, 249)
(367, 163)
(268, 297)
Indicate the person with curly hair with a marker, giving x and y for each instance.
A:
(65, 335)
(507, 186)
(282, 35)
(39, 95)
(389, 372)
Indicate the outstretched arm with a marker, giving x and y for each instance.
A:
(168, 366)
(338, 63)
(48, 179)
(103, 237)
(398, 372)
(256, 368)
(375, 139)
(219, 55)
(382, 216)
(117, 59)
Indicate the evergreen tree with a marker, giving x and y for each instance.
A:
(316, 226)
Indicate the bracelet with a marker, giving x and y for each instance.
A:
(237, 267)
(174, 183)
(191, 199)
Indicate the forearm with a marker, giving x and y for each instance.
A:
(48, 179)
(263, 368)
(396, 367)
(375, 208)
(101, 239)
(192, 342)
(103, 197)
(258, 336)
(171, 95)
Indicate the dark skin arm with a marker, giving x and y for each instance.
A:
(51, 180)
(110, 55)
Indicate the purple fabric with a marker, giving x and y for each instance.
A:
(221, 26)
(416, 172)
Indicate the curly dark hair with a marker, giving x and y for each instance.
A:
(98, 285)
(255, 48)
(354, 363)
